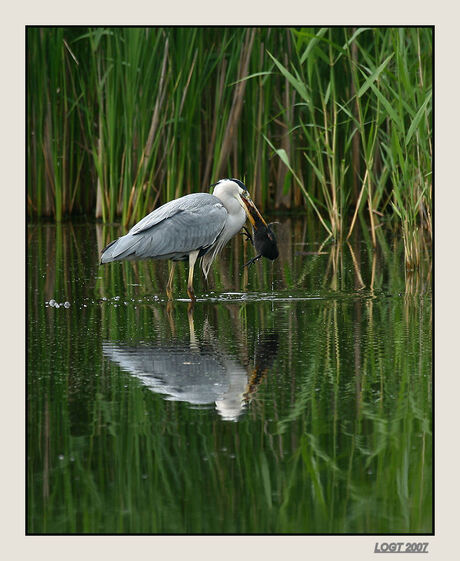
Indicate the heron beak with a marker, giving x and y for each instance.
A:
(255, 218)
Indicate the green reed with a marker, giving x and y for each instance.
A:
(335, 122)
(364, 98)
(149, 114)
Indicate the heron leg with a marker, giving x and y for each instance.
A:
(169, 290)
(192, 260)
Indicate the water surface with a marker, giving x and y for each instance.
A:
(294, 398)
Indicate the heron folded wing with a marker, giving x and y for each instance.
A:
(168, 210)
(187, 230)
(174, 230)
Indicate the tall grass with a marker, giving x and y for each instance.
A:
(365, 115)
(335, 122)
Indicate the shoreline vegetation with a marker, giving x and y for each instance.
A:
(336, 122)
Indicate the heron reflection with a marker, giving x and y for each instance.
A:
(199, 373)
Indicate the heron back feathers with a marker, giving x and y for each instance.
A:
(172, 231)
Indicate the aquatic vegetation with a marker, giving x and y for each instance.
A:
(333, 122)
(328, 437)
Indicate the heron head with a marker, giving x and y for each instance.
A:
(237, 189)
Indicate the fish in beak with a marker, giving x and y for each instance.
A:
(263, 238)
(253, 214)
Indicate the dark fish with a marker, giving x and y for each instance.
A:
(263, 239)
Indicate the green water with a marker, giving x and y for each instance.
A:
(293, 398)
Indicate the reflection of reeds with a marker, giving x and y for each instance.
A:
(384, 411)
(337, 437)
(302, 266)
(359, 280)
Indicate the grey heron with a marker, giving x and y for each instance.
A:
(193, 226)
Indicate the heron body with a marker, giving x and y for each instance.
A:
(193, 226)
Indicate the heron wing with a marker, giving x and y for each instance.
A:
(187, 230)
(172, 231)
(187, 203)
